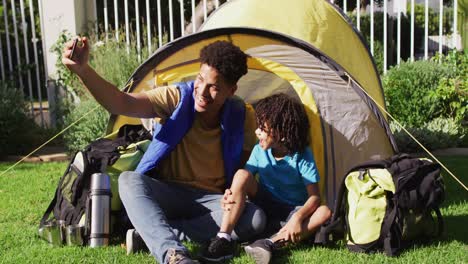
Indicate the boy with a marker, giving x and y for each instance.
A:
(287, 187)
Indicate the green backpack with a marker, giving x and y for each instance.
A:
(387, 205)
(70, 207)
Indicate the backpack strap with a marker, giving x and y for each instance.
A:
(52, 204)
(49, 210)
(133, 133)
(391, 244)
(398, 157)
(440, 221)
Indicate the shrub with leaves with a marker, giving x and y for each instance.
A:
(452, 91)
(18, 132)
(89, 128)
(365, 28)
(430, 98)
(65, 78)
(111, 60)
(436, 134)
(408, 90)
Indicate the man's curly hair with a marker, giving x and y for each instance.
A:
(286, 120)
(229, 60)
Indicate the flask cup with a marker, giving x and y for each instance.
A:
(52, 232)
(74, 235)
(100, 210)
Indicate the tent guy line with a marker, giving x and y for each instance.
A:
(48, 141)
(414, 138)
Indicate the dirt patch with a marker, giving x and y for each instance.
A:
(46, 154)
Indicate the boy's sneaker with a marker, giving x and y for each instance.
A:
(134, 242)
(261, 250)
(219, 249)
(178, 257)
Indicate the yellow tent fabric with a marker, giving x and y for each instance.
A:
(346, 128)
(315, 21)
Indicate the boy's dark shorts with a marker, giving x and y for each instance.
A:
(278, 213)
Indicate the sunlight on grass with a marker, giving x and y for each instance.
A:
(26, 191)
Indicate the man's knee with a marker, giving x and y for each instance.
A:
(127, 180)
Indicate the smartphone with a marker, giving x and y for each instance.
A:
(75, 42)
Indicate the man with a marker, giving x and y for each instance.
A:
(175, 192)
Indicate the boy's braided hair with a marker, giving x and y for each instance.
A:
(229, 60)
(286, 119)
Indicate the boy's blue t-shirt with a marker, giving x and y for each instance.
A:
(285, 179)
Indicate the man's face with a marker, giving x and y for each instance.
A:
(211, 90)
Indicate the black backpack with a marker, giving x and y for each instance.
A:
(403, 189)
(71, 202)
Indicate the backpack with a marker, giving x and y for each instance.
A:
(70, 206)
(386, 205)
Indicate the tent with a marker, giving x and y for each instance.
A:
(317, 68)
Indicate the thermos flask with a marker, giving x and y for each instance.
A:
(100, 210)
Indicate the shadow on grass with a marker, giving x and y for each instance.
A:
(287, 254)
(455, 228)
(454, 192)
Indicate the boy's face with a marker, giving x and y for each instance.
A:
(265, 137)
(211, 90)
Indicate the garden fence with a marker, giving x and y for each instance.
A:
(409, 30)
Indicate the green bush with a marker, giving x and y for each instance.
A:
(452, 93)
(113, 63)
(436, 134)
(433, 22)
(87, 129)
(110, 59)
(378, 39)
(378, 55)
(452, 90)
(430, 98)
(408, 90)
(18, 132)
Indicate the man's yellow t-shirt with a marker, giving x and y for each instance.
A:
(198, 159)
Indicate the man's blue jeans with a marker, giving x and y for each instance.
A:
(166, 213)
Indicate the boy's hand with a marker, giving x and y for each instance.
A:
(226, 201)
(293, 230)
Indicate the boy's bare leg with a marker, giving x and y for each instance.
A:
(222, 247)
(310, 224)
(317, 219)
(242, 185)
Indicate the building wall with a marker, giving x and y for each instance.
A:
(73, 16)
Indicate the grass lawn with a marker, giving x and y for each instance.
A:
(26, 191)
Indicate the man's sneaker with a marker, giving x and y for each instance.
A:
(134, 242)
(219, 249)
(178, 257)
